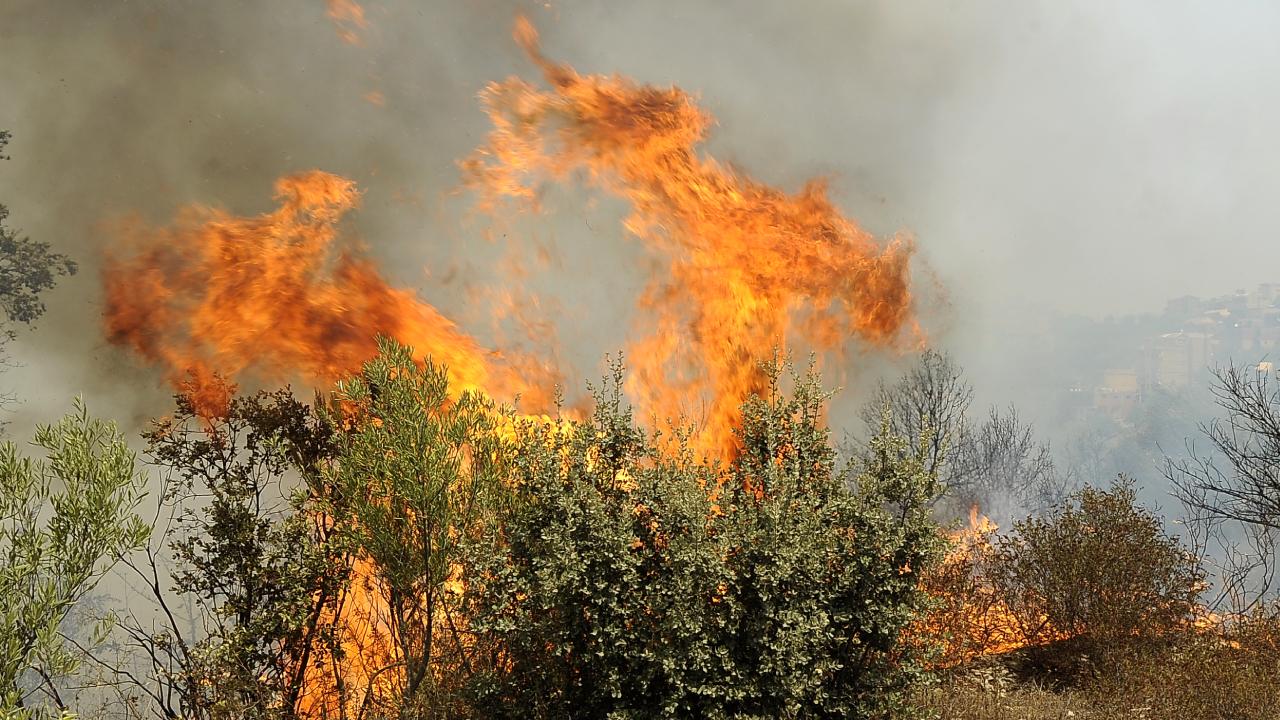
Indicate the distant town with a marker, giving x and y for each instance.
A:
(1177, 348)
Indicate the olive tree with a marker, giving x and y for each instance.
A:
(27, 269)
(65, 519)
(234, 600)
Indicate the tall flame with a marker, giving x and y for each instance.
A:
(272, 297)
(748, 266)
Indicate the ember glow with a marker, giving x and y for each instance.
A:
(348, 18)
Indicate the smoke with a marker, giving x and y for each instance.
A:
(1085, 157)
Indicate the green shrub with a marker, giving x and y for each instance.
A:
(65, 520)
(634, 582)
(417, 470)
(1098, 570)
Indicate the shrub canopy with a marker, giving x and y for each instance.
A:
(632, 581)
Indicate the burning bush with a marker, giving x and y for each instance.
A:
(624, 582)
(968, 618)
(1099, 570)
(417, 469)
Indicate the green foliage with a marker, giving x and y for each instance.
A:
(1099, 569)
(624, 584)
(247, 551)
(416, 470)
(994, 462)
(27, 269)
(65, 520)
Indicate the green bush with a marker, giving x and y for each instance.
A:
(1099, 570)
(65, 520)
(416, 470)
(633, 582)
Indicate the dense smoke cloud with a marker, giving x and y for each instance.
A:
(1067, 157)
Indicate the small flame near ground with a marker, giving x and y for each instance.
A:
(969, 619)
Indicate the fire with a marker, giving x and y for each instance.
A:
(348, 18)
(272, 297)
(970, 619)
(366, 666)
(748, 267)
(216, 298)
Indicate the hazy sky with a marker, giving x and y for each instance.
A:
(1081, 157)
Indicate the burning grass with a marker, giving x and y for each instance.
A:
(1091, 612)
(1227, 675)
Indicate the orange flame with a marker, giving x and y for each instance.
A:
(748, 265)
(348, 18)
(748, 268)
(270, 296)
(970, 619)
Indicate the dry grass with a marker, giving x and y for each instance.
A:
(967, 698)
(1126, 638)
(1236, 677)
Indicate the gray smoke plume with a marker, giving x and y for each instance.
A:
(1051, 158)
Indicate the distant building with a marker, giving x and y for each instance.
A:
(1119, 393)
(1174, 359)
(1194, 334)
(1266, 296)
(1183, 307)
